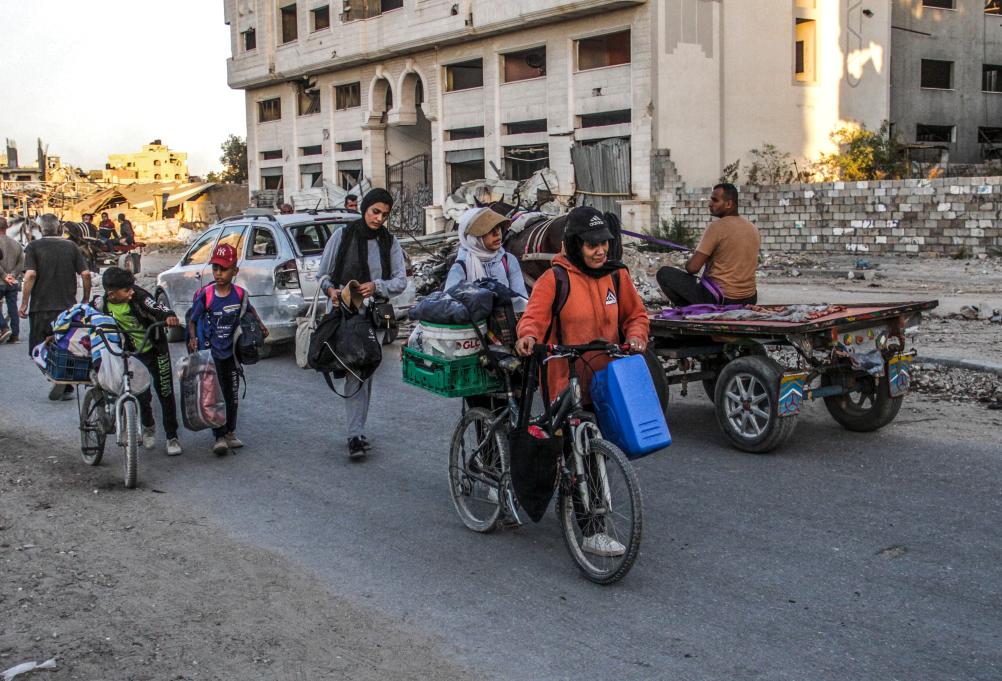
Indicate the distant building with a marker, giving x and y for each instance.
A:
(946, 76)
(615, 96)
(155, 163)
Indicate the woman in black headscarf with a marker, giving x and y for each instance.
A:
(366, 252)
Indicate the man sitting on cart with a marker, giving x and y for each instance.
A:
(728, 251)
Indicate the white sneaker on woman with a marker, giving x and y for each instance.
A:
(602, 544)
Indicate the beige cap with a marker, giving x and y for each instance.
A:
(486, 220)
(350, 295)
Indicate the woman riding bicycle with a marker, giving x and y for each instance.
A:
(582, 298)
(600, 301)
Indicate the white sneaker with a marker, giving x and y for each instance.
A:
(220, 448)
(4, 335)
(149, 438)
(173, 447)
(602, 544)
(492, 494)
(233, 441)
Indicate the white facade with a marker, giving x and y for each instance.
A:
(707, 80)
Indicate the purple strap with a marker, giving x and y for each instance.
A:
(692, 310)
(713, 289)
(653, 240)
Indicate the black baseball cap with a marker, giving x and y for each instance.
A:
(588, 224)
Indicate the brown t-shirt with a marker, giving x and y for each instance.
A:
(731, 245)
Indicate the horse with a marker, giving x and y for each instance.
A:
(534, 239)
(24, 230)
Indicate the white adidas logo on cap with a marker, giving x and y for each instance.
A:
(597, 221)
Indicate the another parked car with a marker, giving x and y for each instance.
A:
(279, 255)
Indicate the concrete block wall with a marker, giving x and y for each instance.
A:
(945, 216)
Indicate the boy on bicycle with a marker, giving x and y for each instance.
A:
(135, 310)
(215, 318)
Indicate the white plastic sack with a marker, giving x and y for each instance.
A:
(111, 374)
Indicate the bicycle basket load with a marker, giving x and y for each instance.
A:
(202, 403)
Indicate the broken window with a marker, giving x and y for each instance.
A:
(991, 78)
(269, 110)
(993, 6)
(990, 135)
(354, 145)
(606, 118)
(522, 161)
(347, 96)
(311, 176)
(262, 243)
(308, 100)
(464, 165)
(525, 127)
(271, 178)
(464, 75)
(320, 17)
(524, 65)
(937, 74)
(934, 133)
(249, 39)
(464, 133)
(312, 150)
(604, 50)
(349, 173)
(271, 154)
(938, 4)
(805, 50)
(353, 10)
(290, 23)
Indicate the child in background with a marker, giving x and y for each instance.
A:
(135, 309)
(215, 318)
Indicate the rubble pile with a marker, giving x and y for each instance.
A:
(957, 385)
(981, 311)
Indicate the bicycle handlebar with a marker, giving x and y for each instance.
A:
(124, 352)
(578, 350)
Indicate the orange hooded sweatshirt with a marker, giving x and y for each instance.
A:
(592, 312)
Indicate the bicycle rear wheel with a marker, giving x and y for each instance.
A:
(603, 538)
(477, 458)
(92, 426)
(130, 442)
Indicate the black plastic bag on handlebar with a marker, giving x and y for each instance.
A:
(534, 459)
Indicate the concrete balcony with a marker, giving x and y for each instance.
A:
(401, 32)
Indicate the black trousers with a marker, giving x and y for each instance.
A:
(684, 289)
(229, 381)
(162, 377)
(40, 326)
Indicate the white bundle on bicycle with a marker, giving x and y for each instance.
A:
(84, 328)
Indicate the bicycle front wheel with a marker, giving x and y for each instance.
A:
(602, 528)
(92, 426)
(130, 442)
(477, 459)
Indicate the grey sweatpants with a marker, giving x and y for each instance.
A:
(356, 407)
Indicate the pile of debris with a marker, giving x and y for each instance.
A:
(981, 311)
(957, 385)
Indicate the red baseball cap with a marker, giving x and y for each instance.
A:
(225, 256)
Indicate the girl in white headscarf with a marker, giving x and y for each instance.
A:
(481, 255)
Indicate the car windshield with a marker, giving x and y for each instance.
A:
(311, 237)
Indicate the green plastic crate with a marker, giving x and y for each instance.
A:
(461, 377)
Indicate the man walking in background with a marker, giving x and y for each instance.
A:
(11, 267)
(51, 266)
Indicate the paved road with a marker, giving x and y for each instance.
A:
(843, 556)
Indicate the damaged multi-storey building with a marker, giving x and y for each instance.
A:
(617, 97)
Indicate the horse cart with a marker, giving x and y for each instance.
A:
(759, 364)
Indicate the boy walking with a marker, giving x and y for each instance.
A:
(135, 310)
(215, 319)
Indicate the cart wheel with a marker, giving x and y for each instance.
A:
(658, 376)
(867, 406)
(718, 363)
(745, 402)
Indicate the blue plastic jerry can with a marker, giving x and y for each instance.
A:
(627, 406)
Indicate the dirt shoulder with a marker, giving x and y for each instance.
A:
(130, 584)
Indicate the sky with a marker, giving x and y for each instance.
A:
(98, 77)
